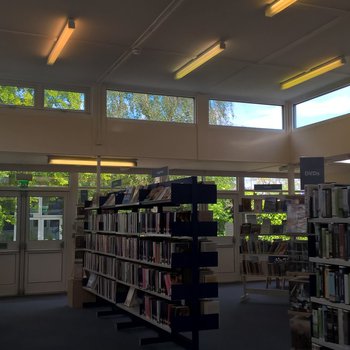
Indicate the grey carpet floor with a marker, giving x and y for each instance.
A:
(47, 322)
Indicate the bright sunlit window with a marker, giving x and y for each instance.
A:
(131, 105)
(248, 115)
(328, 106)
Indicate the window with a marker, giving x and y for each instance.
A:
(40, 179)
(249, 182)
(59, 99)
(16, 96)
(328, 106)
(129, 105)
(223, 183)
(249, 115)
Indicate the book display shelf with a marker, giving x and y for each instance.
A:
(146, 254)
(273, 242)
(329, 251)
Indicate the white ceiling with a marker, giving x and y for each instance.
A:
(260, 52)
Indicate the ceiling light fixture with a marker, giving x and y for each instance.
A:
(344, 161)
(200, 59)
(313, 72)
(277, 7)
(91, 161)
(61, 41)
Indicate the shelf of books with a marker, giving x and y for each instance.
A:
(329, 250)
(150, 242)
(273, 242)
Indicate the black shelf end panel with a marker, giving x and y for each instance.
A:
(205, 228)
(182, 193)
(208, 259)
(185, 323)
(184, 291)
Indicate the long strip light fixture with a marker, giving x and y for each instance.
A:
(91, 161)
(277, 7)
(313, 72)
(61, 41)
(200, 59)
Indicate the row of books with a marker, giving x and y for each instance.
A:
(327, 200)
(333, 283)
(154, 280)
(266, 205)
(332, 240)
(141, 222)
(276, 247)
(270, 267)
(257, 229)
(101, 264)
(131, 194)
(331, 325)
(104, 287)
(162, 311)
(101, 243)
(147, 250)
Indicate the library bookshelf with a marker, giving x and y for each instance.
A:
(329, 251)
(269, 251)
(147, 254)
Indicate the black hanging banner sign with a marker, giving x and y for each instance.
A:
(311, 170)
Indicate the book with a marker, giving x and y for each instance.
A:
(131, 297)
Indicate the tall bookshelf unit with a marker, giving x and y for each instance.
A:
(329, 250)
(275, 260)
(151, 262)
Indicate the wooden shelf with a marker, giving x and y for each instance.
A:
(339, 262)
(99, 273)
(330, 345)
(135, 311)
(99, 295)
(333, 220)
(326, 302)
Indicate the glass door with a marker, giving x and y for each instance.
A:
(225, 212)
(9, 243)
(44, 242)
(32, 236)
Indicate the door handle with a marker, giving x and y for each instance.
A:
(62, 245)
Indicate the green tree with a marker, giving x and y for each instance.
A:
(18, 96)
(64, 99)
(128, 105)
(221, 112)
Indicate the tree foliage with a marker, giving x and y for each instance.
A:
(221, 112)
(64, 100)
(17, 96)
(128, 105)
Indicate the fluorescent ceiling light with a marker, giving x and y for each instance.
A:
(91, 161)
(200, 59)
(313, 72)
(278, 6)
(345, 161)
(61, 41)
